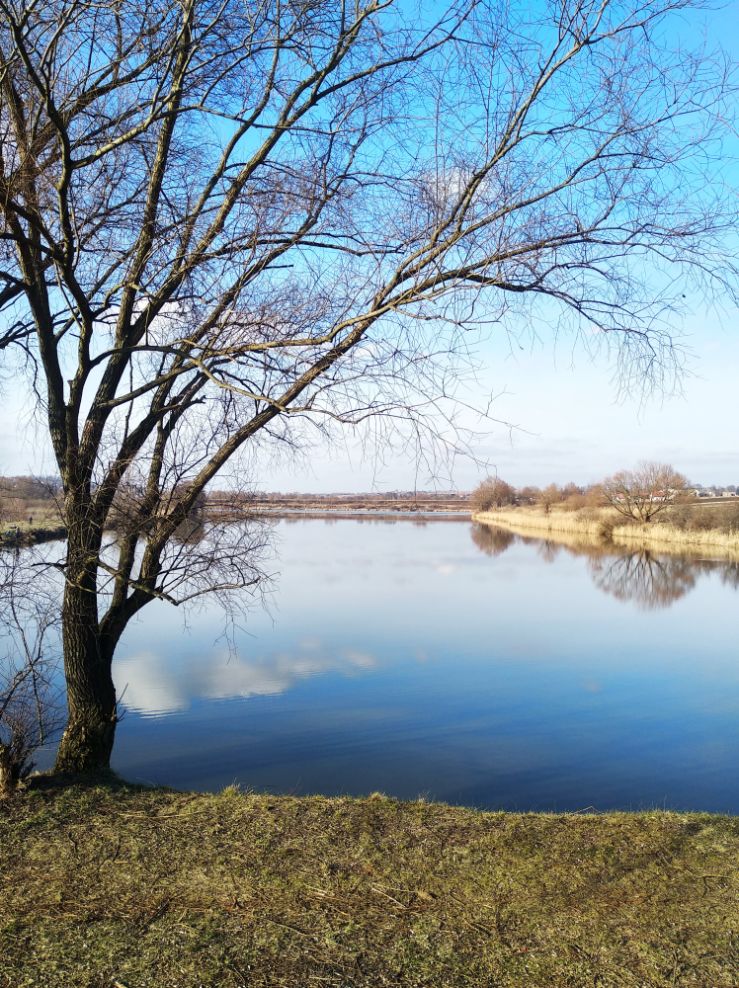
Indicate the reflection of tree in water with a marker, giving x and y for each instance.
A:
(491, 541)
(730, 575)
(548, 550)
(190, 532)
(649, 581)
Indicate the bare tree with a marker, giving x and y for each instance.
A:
(224, 222)
(528, 494)
(645, 492)
(548, 496)
(30, 709)
(492, 493)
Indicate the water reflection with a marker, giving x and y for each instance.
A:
(155, 684)
(648, 579)
(730, 575)
(491, 541)
(161, 683)
(467, 664)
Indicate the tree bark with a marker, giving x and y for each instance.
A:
(87, 741)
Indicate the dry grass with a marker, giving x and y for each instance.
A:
(665, 537)
(35, 514)
(174, 890)
(589, 522)
(684, 533)
(38, 524)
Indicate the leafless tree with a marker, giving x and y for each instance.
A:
(492, 493)
(645, 492)
(548, 496)
(224, 222)
(30, 707)
(528, 494)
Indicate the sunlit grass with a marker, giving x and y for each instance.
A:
(607, 525)
(658, 536)
(157, 888)
(35, 516)
(598, 522)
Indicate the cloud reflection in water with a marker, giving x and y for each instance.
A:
(154, 686)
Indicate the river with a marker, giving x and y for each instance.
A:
(451, 662)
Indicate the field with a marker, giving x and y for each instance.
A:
(159, 889)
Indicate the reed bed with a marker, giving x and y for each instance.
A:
(604, 525)
(664, 537)
(593, 522)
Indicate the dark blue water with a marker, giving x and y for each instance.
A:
(451, 663)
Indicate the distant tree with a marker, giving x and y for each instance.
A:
(492, 493)
(528, 495)
(573, 497)
(571, 490)
(37, 488)
(595, 496)
(645, 492)
(549, 496)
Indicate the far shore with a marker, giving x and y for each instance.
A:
(604, 526)
(20, 536)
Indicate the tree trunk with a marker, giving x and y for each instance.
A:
(87, 741)
(8, 776)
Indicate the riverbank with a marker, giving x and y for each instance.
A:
(177, 890)
(20, 536)
(600, 526)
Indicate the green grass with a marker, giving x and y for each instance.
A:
(163, 889)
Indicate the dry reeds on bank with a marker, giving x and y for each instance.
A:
(690, 529)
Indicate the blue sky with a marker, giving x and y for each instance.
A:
(570, 421)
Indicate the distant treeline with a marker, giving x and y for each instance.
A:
(227, 502)
(653, 482)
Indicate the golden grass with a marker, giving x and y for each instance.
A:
(37, 523)
(670, 538)
(599, 525)
(589, 522)
(178, 890)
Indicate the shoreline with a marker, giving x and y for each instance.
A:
(18, 537)
(21, 538)
(601, 527)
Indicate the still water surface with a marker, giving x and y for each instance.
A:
(450, 662)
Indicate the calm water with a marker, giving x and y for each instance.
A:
(450, 662)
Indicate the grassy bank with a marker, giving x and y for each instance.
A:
(37, 524)
(25, 535)
(606, 525)
(165, 889)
